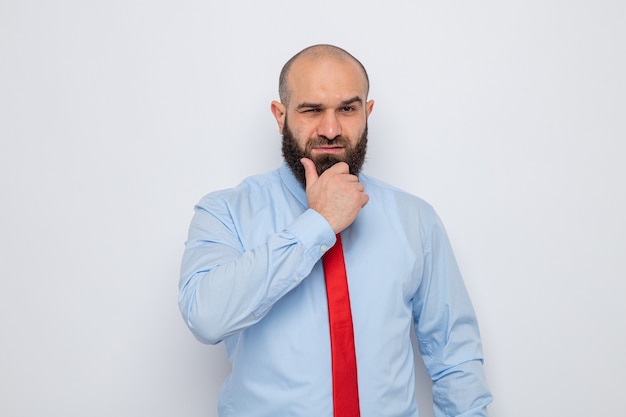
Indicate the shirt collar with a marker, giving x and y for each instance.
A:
(292, 184)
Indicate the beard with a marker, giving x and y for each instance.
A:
(354, 156)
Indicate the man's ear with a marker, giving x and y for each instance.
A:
(369, 106)
(279, 111)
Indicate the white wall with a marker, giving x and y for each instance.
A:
(116, 117)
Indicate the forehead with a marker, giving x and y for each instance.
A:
(325, 79)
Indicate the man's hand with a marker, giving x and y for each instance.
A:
(336, 194)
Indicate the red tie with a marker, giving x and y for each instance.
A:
(345, 385)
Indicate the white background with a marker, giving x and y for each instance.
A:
(116, 117)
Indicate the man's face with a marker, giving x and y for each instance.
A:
(325, 119)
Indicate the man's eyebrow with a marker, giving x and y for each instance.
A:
(355, 99)
(306, 105)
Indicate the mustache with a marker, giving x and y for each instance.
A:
(320, 141)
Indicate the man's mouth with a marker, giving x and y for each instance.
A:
(328, 149)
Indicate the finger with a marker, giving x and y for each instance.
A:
(340, 168)
(310, 172)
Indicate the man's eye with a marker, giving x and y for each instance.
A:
(347, 109)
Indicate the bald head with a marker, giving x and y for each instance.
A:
(316, 53)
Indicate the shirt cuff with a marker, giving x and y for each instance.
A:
(312, 229)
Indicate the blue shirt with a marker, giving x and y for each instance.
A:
(252, 277)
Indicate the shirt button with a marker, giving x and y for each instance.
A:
(296, 278)
(323, 248)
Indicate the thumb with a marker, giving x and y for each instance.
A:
(310, 172)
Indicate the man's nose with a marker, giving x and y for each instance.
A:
(329, 126)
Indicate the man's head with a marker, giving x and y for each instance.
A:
(324, 109)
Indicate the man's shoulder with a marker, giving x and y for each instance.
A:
(386, 190)
(249, 187)
(249, 184)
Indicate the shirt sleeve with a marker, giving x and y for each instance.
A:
(447, 332)
(225, 287)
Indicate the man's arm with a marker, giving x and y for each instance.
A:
(447, 332)
(225, 288)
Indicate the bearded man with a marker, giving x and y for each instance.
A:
(313, 275)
